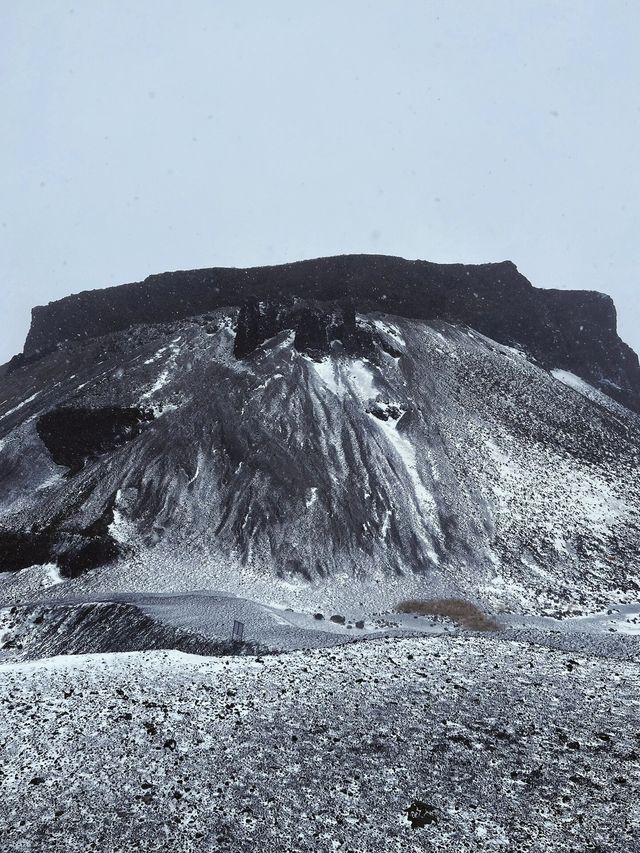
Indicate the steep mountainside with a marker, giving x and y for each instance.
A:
(305, 448)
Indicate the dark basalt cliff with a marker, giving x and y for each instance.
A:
(571, 330)
(74, 550)
(315, 326)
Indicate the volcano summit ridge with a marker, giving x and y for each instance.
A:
(569, 330)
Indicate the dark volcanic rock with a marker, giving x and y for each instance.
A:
(74, 435)
(316, 325)
(75, 551)
(20, 549)
(573, 330)
(79, 554)
(257, 322)
(421, 814)
(21, 360)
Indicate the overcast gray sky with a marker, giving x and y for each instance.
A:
(151, 135)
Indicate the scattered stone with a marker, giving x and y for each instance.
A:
(421, 814)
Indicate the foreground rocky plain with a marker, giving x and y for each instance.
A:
(463, 743)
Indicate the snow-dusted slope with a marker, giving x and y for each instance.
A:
(432, 462)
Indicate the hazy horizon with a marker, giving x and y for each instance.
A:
(139, 141)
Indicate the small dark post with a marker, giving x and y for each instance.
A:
(238, 631)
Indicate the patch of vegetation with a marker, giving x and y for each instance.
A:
(459, 610)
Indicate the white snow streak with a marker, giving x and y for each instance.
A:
(346, 377)
(20, 405)
(423, 498)
(575, 382)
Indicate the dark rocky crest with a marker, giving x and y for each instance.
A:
(573, 330)
(257, 322)
(316, 326)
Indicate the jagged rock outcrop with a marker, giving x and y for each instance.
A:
(315, 325)
(572, 330)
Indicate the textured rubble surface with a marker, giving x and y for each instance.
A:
(465, 744)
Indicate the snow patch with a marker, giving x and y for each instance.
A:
(196, 473)
(344, 377)
(120, 529)
(386, 520)
(391, 330)
(52, 575)
(160, 382)
(164, 377)
(423, 498)
(575, 382)
(327, 372)
(362, 379)
(20, 405)
(155, 357)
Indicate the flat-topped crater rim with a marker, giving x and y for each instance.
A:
(348, 265)
(573, 330)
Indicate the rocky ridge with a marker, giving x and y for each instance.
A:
(572, 330)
